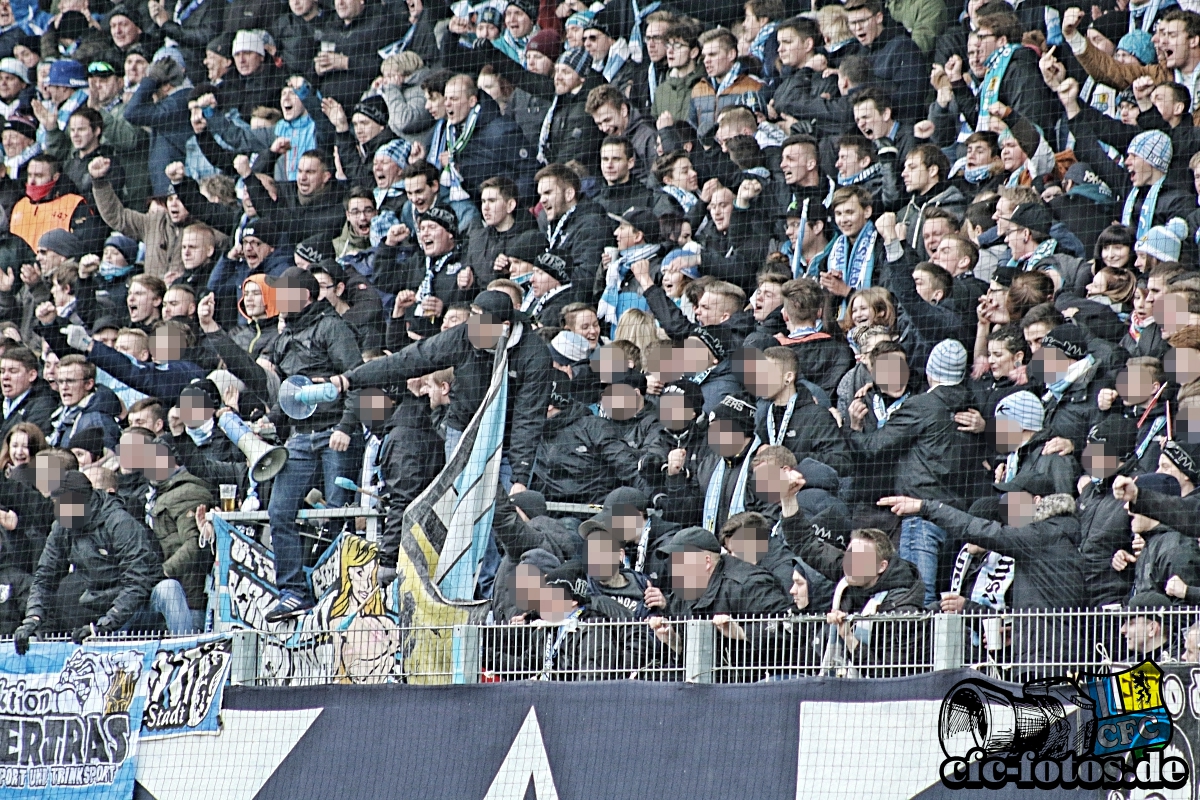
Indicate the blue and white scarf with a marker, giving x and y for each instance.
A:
(618, 271)
(544, 132)
(734, 73)
(1143, 16)
(182, 12)
(716, 487)
(758, 47)
(553, 643)
(433, 268)
(1079, 369)
(401, 44)
(513, 47)
(883, 412)
(1039, 254)
(685, 198)
(797, 259)
(618, 54)
(857, 262)
(1146, 215)
(989, 94)
(635, 35)
(859, 177)
(776, 437)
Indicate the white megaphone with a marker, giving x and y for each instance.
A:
(298, 396)
(265, 459)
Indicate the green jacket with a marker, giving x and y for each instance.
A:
(175, 528)
(675, 95)
(923, 19)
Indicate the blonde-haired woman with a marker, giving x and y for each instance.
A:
(639, 327)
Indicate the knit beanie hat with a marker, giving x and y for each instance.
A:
(373, 108)
(741, 411)
(1163, 241)
(1154, 147)
(397, 150)
(1119, 436)
(1139, 45)
(1069, 339)
(547, 42)
(1023, 408)
(579, 60)
(947, 362)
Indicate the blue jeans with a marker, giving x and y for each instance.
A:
(167, 602)
(491, 555)
(309, 457)
(921, 543)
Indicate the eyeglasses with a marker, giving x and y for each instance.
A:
(70, 381)
(591, 37)
(677, 46)
(656, 38)
(860, 22)
(982, 36)
(360, 212)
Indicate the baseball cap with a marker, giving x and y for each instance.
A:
(640, 219)
(692, 539)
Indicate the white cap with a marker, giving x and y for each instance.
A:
(14, 67)
(249, 40)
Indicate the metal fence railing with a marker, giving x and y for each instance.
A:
(1010, 645)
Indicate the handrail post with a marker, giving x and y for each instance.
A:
(698, 647)
(948, 643)
(465, 655)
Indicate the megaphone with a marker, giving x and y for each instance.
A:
(1053, 719)
(266, 460)
(298, 396)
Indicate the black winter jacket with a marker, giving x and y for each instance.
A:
(530, 375)
(582, 458)
(116, 555)
(360, 40)
(737, 588)
(812, 432)
(318, 343)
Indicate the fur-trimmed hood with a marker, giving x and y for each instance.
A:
(1054, 505)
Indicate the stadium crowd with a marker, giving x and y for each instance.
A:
(837, 310)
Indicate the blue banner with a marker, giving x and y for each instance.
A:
(185, 686)
(69, 719)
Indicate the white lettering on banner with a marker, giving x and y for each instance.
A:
(526, 760)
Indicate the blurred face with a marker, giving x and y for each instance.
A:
(459, 100)
(850, 217)
(861, 564)
(1100, 461)
(674, 412)
(359, 213)
(69, 509)
(247, 61)
(72, 387)
(1181, 363)
(604, 555)
(166, 345)
(748, 544)
(434, 239)
(143, 305)
(691, 571)
(292, 300)
(1009, 435)
(725, 439)
(420, 192)
(717, 60)
(483, 330)
(621, 402)
(1019, 508)
(566, 80)
(890, 374)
